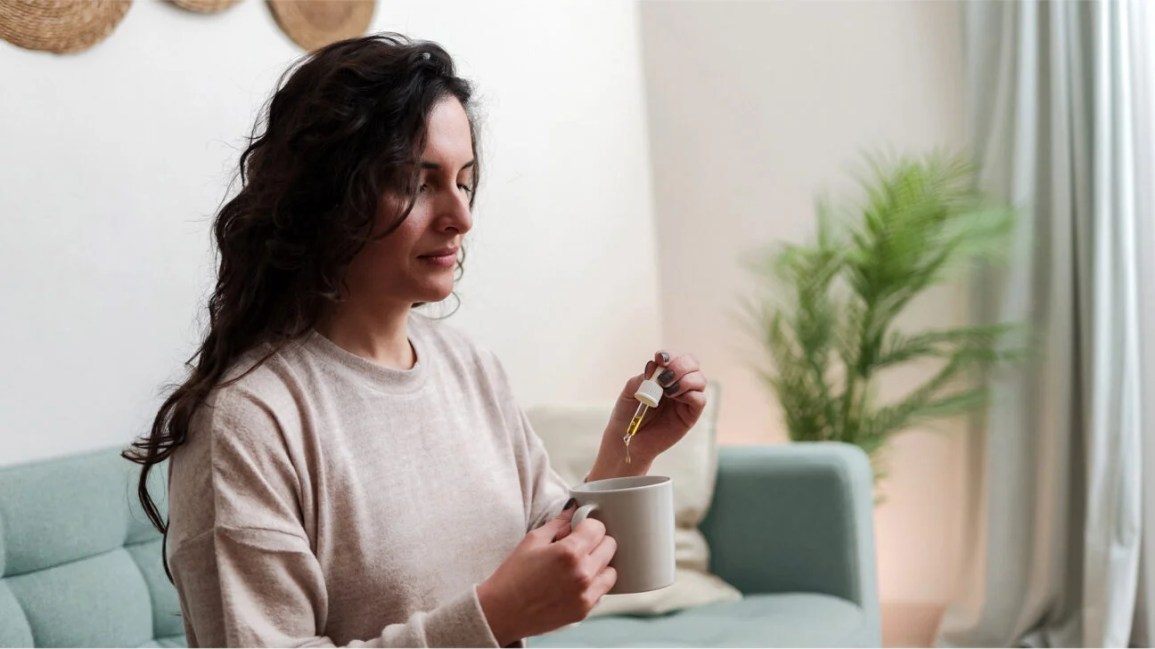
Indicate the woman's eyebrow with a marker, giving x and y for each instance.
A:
(425, 164)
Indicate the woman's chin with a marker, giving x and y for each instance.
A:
(437, 294)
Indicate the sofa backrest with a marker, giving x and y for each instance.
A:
(80, 566)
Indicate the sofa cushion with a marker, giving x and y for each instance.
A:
(572, 434)
(79, 563)
(95, 602)
(14, 629)
(166, 618)
(171, 641)
(56, 511)
(775, 620)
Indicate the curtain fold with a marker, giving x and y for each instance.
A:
(1143, 56)
(1059, 106)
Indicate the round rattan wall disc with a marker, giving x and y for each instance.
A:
(60, 26)
(316, 23)
(205, 6)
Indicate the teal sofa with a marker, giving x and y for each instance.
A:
(790, 526)
(79, 563)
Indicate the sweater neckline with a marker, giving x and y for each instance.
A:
(385, 379)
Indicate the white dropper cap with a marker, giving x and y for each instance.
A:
(649, 392)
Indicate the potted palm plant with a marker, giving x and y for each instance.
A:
(828, 311)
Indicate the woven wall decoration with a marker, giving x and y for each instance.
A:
(60, 26)
(205, 6)
(313, 24)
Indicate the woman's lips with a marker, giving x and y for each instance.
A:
(446, 258)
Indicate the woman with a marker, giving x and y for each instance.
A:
(342, 469)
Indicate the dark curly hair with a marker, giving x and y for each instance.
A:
(345, 127)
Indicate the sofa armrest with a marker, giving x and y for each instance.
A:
(795, 518)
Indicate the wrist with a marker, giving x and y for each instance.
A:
(611, 462)
(496, 615)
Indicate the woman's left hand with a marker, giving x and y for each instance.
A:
(682, 403)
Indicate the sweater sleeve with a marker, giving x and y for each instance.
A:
(251, 578)
(548, 492)
(543, 489)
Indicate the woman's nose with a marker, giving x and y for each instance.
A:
(456, 213)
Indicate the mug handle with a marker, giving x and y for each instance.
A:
(581, 514)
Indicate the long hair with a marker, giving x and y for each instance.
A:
(345, 127)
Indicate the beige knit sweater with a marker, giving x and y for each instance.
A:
(325, 499)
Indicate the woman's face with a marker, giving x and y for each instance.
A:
(416, 262)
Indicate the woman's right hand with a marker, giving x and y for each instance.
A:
(554, 577)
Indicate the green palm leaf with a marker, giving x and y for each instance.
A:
(827, 316)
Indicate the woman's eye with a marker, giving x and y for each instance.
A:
(422, 188)
(466, 188)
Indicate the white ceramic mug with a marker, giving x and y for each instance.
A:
(638, 513)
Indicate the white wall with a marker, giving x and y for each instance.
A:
(754, 108)
(115, 159)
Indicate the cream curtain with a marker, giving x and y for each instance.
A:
(1060, 105)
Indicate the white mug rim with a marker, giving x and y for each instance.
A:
(646, 482)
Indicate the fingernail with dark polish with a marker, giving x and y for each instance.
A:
(665, 357)
(672, 389)
(666, 377)
(570, 503)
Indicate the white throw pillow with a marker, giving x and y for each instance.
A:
(572, 434)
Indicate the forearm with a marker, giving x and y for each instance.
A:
(502, 622)
(611, 460)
